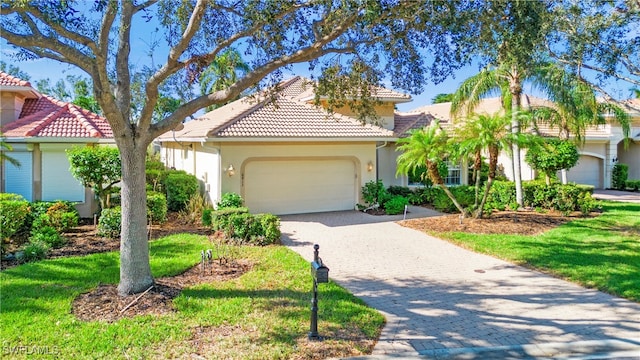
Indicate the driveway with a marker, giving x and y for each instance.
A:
(615, 195)
(438, 297)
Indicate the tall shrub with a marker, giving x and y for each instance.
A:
(619, 176)
(180, 187)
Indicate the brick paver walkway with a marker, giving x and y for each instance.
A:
(438, 296)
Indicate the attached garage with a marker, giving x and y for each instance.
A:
(588, 171)
(291, 186)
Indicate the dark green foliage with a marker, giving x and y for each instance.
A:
(633, 185)
(156, 207)
(396, 205)
(110, 222)
(154, 179)
(619, 176)
(180, 187)
(206, 217)
(230, 200)
(154, 165)
(537, 194)
(400, 190)
(424, 195)
(465, 195)
(552, 156)
(35, 250)
(374, 192)
(48, 235)
(97, 167)
(62, 215)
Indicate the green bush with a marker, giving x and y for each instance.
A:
(206, 217)
(633, 185)
(230, 200)
(62, 215)
(180, 187)
(400, 190)
(154, 179)
(48, 235)
(156, 207)
(110, 223)
(396, 205)
(154, 165)
(270, 228)
(220, 218)
(35, 250)
(374, 192)
(502, 196)
(13, 214)
(424, 195)
(245, 228)
(586, 203)
(619, 176)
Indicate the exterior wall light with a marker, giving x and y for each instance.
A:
(230, 170)
(370, 166)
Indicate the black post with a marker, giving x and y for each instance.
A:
(313, 331)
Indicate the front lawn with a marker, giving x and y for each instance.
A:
(264, 314)
(601, 252)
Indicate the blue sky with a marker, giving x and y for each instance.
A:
(45, 68)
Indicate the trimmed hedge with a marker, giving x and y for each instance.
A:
(230, 200)
(537, 194)
(238, 224)
(396, 205)
(619, 176)
(634, 185)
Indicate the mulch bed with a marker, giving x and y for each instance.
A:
(104, 303)
(504, 222)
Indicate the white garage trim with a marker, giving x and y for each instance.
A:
(291, 185)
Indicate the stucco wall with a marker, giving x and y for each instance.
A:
(386, 170)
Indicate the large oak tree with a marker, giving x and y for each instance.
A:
(383, 38)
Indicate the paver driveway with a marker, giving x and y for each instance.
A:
(439, 296)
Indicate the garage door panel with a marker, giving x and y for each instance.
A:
(588, 171)
(299, 186)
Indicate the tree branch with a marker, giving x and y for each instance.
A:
(73, 36)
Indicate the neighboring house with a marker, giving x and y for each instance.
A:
(290, 156)
(603, 145)
(40, 129)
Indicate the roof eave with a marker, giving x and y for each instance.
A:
(302, 139)
(26, 91)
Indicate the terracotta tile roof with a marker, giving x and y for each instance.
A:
(405, 122)
(291, 116)
(442, 111)
(48, 117)
(9, 80)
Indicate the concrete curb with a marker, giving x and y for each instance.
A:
(580, 350)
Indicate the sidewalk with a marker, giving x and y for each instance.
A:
(438, 298)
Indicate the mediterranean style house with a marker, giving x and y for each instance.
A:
(40, 128)
(290, 156)
(603, 147)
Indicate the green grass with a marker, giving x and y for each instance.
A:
(264, 314)
(601, 252)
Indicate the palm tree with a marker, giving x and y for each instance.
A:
(426, 147)
(222, 73)
(484, 133)
(506, 80)
(4, 147)
(575, 106)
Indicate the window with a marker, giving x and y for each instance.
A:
(453, 174)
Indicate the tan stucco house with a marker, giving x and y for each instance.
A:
(40, 128)
(602, 149)
(290, 156)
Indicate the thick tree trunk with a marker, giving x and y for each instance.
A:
(135, 272)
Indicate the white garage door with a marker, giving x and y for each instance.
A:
(588, 171)
(299, 186)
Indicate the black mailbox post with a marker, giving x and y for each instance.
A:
(320, 274)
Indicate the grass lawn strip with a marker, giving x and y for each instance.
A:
(601, 253)
(264, 314)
